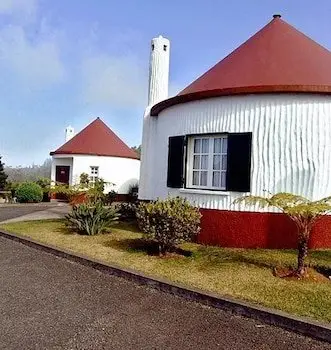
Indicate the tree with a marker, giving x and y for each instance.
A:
(29, 173)
(3, 176)
(84, 179)
(137, 149)
(301, 210)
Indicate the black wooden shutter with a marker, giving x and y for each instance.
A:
(238, 177)
(175, 177)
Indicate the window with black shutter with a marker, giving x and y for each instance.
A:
(175, 178)
(219, 162)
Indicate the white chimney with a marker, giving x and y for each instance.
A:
(69, 133)
(159, 70)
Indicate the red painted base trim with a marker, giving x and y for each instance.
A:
(257, 230)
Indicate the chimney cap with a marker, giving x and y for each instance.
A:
(277, 15)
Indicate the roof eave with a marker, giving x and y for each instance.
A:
(54, 153)
(199, 95)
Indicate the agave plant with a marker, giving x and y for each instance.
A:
(301, 210)
(91, 219)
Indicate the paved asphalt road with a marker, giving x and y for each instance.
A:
(41, 211)
(11, 212)
(49, 303)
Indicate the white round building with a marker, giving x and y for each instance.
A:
(258, 122)
(98, 152)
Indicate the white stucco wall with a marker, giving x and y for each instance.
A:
(61, 160)
(291, 145)
(123, 172)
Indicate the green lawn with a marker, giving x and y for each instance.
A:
(239, 273)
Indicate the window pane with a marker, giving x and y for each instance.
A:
(216, 179)
(224, 145)
(223, 179)
(204, 162)
(217, 145)
(94, 170)
(197, 146)
(217, 163)
(196, 162)
(203, 178)
(224, 162)
(195, 181)
(205, 146)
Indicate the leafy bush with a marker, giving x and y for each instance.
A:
(169, 222)
(91, 219)
(133, 192)
(29, 192)
(12, 187)
(127, 211)
(45, 184)
(82, 192)
(84, 179)
(95, 192)
(67, 191)
(110, 197)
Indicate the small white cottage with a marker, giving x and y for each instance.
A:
(257, 122)
(98, 152)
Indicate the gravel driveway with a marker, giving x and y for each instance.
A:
(49, 303)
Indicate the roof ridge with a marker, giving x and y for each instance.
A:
(277, 58)
(97, 138)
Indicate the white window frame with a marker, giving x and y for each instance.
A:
(94, 173)
(190, 158)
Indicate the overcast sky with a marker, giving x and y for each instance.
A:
(68, 61)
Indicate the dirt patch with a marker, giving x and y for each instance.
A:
(310, 274)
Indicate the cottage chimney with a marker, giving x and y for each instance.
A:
(159, 70)
(69, 133)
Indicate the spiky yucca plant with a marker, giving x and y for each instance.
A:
(91, 219)
(301, 210)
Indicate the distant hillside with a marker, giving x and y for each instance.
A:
(30, 173)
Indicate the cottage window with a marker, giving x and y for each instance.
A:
(94, 173)
(210, 162)
(207, 162)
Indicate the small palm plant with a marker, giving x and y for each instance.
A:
(301, 210)
(91, 219)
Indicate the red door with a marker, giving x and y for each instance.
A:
(62, 174)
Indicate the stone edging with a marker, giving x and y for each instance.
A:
(273, 317)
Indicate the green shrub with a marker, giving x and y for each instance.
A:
(110, 197)
(91, 219)
(92, 192)
(84, 179)
(127, 211)
(45, 185)
(29, 192)
(133, 192)
(169, 222)
(95, 192)
(12, 187)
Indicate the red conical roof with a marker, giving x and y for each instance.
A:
(278, 58)
(97, 139)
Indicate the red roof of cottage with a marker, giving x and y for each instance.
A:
(97, 139)
(278, 58)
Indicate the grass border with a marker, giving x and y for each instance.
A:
(301, 325)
